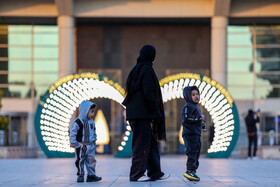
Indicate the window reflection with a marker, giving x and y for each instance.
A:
(241, 79)
(19, 78)
(18, 91)
(239, 65)
(244, 39)
(240, 52)
(44, 78)
(28, 59)
(46, 52)
(46, 39)
(267, 66)
(267, 39)
(255, 50)
(20, 65)
(20, 39)
(19, 52)
(268, 52)
(244, 92)
(45, 66)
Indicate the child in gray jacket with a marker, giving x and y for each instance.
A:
(83, 139)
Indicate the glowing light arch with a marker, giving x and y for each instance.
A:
(58, 104)
(64, 96)
(217, 102)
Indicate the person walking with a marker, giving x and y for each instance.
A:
(251, 121)
(145, 113)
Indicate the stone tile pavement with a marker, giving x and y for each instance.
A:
(114, 171)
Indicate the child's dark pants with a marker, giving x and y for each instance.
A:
(193, 145)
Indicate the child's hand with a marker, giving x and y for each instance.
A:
(203, 124)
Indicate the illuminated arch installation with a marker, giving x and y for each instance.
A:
(58, 104)
(217, 102)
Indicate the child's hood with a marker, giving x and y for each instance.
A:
(187, 94)
(84, 108)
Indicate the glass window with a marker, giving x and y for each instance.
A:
(240, 53)
(267, 52)
(20, 65)
(3, 52)
(20, 39)
(267, 92)
(239, 92)
(44, 78)
(240, 39)
(3, 65)
(46, 52)
(240, 79)
(29, 55)
(267, 39)
(45, 29)
(240, 66)
(3, 78)
(19, 91)
(45, 66)
(244, 29)
(19, 52)
(19, 29)
(20, 78)
(3, 38)
(46, 39)
(257, 66)
(272, 78)
(40, 90)
(267, 66)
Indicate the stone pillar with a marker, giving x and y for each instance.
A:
(66, 45)
(219, 49)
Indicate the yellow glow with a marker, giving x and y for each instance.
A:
(102, 130)
(214, 97)
(181, 140)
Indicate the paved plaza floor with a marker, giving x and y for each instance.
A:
(114, 171)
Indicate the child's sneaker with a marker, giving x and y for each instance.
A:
(93, 178)
(80, 179)
(196, 175)
(191, 175)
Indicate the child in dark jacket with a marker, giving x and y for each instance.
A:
(192, 126)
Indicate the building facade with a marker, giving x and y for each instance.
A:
(235, 42)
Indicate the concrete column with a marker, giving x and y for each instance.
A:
(66, 45)
(219, 49)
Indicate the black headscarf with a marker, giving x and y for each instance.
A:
(146, 56)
